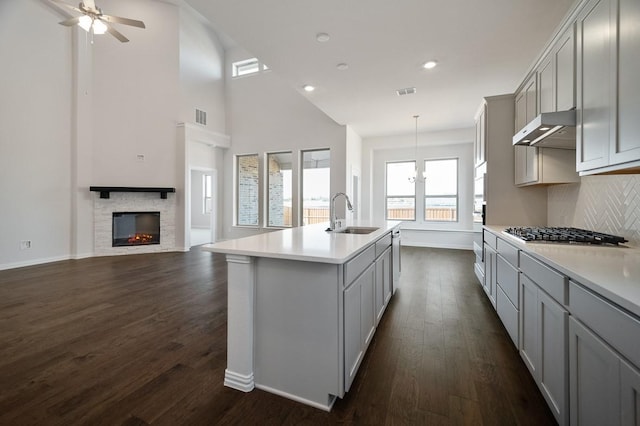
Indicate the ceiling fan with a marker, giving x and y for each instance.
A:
(94, 21)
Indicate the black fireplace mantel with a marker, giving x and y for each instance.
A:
(106, 190)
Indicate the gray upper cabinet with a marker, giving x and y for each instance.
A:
(479, 146)
(551, 88)
(564, 69)
(608, 41)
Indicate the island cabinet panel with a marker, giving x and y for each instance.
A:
(296, 318)
(383, 282)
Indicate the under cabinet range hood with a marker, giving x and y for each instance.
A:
(549, 130)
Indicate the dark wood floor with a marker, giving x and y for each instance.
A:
(135, 340)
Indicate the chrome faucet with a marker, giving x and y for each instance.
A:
(332, 211)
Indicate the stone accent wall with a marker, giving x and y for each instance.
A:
(133, 202)
(248, 189)
(609, 204)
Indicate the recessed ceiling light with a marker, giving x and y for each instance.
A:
(308, 88)
(430, 64)
(342, 66)
(322, 37)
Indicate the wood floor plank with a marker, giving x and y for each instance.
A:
(141, 340)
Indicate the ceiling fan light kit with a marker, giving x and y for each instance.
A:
(94, 21)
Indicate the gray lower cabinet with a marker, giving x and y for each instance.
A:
(359, 321)
(604, 352)
(543, 345)
(595, 379)
(490, 259)
(630, 394)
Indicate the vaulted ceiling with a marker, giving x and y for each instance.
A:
(482, 48)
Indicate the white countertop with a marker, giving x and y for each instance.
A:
(309, 243)
(611, 271)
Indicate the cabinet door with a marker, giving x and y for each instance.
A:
(630, 393)
(595, 118)
(553, 351)
(529, 324)
(545, 92)
(627, 143)
(480, 140)
(490, 273)
(352, 333)
(388, 276)
(526, 165)
(595, 378)
(521, 110)
(368, 306)
(564, 57)
(380, 266)
(531, 94)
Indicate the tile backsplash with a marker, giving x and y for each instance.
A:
(609, 204)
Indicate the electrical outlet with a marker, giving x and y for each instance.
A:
(26, 244)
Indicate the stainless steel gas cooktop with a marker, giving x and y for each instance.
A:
(564, 235)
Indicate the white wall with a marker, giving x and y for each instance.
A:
(436, 145)
(354, 170)
(76, 113)
(201, 72)
(35, 133)
(265, 114)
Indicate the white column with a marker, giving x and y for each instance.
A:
(240, 315)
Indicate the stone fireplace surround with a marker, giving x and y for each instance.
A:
(103, 209)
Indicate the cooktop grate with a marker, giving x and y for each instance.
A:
(564, 235)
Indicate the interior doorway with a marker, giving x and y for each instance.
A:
(203, 194)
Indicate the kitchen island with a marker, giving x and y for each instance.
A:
(303, 305)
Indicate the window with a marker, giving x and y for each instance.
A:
(207, 193)
(279, 189)
(247, 190)
(316, 186)
(441, 190)
(401, 192)
(246, 67)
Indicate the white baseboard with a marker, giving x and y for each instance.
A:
(33, 262)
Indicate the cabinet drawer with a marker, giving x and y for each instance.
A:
(509, 252)
(551, 281)
(507, 277)
(358, 264)
(382, 244)
(508, 315)
(491, 240)
(618, 328)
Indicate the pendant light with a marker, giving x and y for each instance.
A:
(414, 174)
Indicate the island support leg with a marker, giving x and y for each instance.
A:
(240, 318)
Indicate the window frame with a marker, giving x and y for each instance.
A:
(387, 196)
(236, 175)
(456, 196)
(207, 193)
(268, 190)
(301, 174)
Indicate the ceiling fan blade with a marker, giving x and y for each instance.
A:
(116, 33)
(70, 22)
(89, 4)
(125, 21)
(67, 5)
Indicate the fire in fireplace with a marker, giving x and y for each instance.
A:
(135, 228)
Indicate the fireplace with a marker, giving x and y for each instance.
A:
(135, 228)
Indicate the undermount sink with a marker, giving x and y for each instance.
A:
(362, 230)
